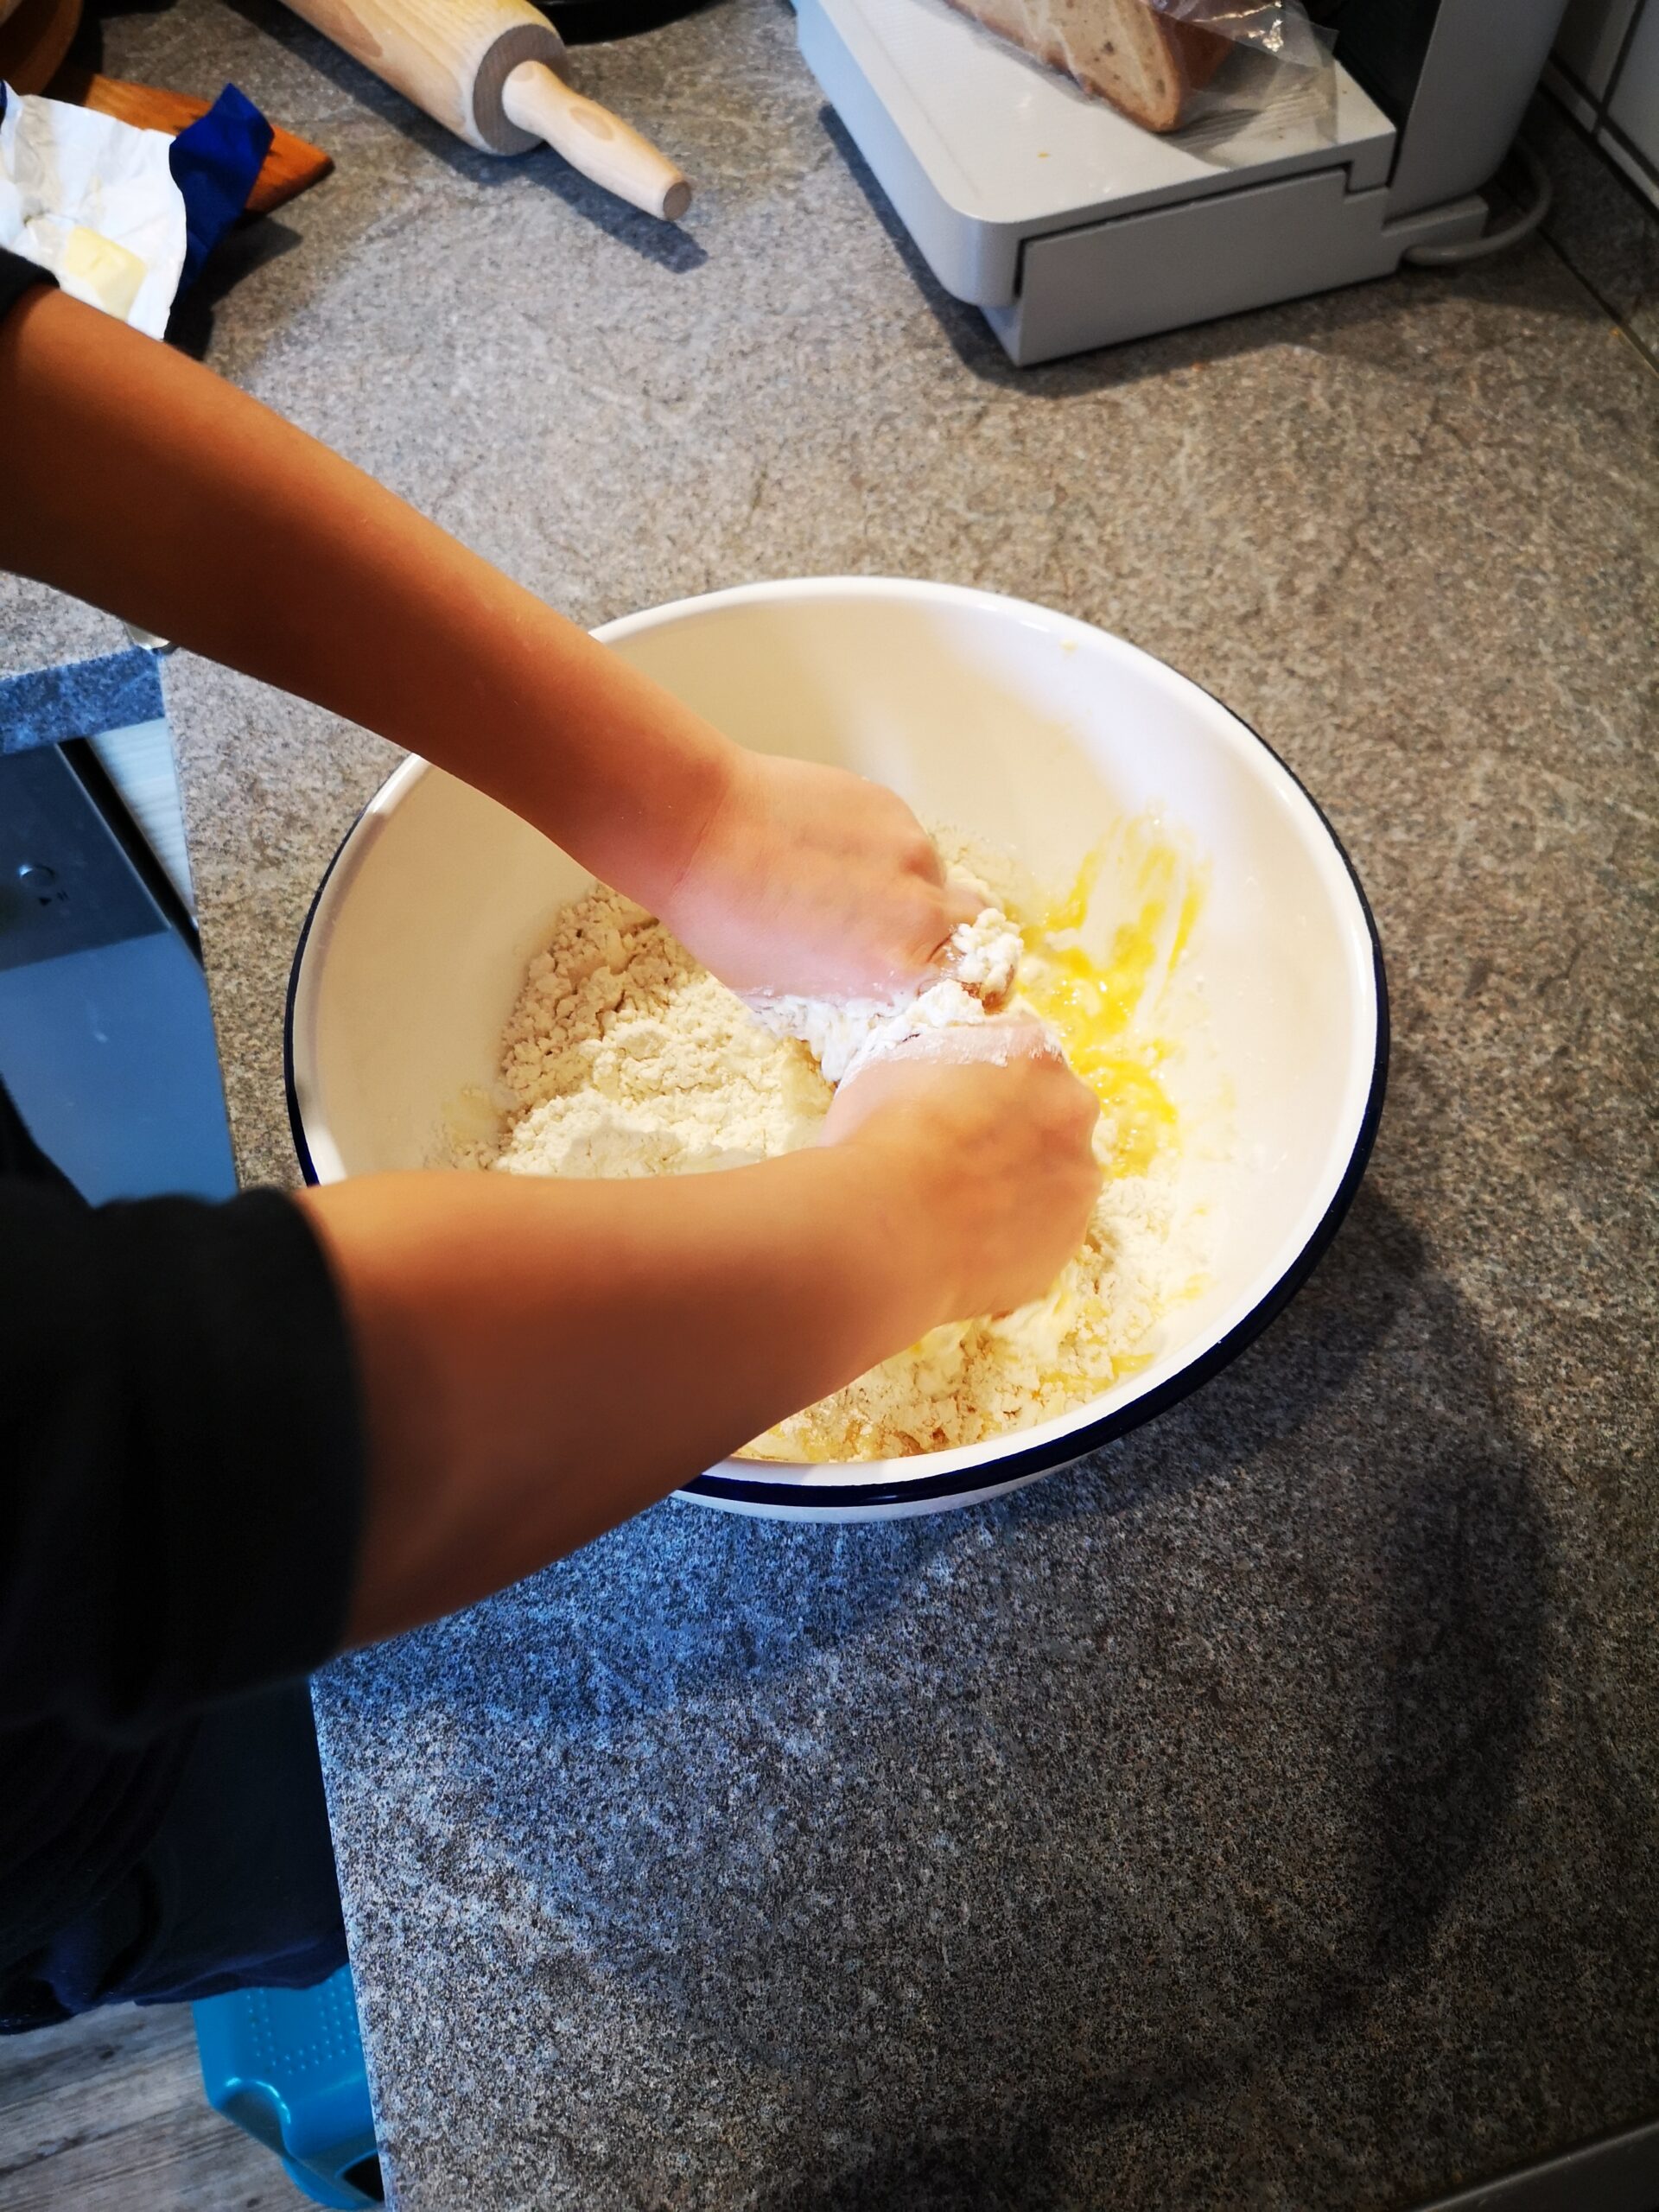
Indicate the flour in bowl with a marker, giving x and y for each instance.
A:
(625, 1057)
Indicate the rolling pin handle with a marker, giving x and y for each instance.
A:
(594, 141)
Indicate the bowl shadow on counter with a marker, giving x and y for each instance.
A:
(1235, 1711)
(1463, 1573)
(1351, 318)
(1452, 1677)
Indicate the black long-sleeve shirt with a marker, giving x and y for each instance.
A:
(181, 1488)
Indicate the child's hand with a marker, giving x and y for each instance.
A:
(810, 880)
(991, 1133)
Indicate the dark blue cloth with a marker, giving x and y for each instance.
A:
(214, 162)
(235, 1887)
(169, 1538)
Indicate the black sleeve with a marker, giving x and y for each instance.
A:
(181, 1456)
(16, 278)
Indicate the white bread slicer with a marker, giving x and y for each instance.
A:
(1070, 226)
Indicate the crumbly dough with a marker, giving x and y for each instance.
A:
(624, 1058)
(843, 1034)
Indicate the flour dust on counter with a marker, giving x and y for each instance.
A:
(624, 1058)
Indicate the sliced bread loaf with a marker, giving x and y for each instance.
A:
(1145, 62)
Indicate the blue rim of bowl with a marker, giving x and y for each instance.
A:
(1017, 1467)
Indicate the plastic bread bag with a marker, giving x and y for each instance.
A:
(1170, 64)
(1243, 57)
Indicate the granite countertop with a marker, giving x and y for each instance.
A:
(1263, 1813)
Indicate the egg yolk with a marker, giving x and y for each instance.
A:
(1094, 1005)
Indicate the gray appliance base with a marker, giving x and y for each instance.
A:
(1106, 282)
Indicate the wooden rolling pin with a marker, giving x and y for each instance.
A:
(493, 72)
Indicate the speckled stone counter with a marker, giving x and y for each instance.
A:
(1265, 1814)
(79, 698)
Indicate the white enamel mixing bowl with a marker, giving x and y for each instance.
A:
(1021, 727)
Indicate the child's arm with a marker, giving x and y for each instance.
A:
(540, 1359)
(537, 1360)
(140, 481)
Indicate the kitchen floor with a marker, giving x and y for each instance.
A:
(107, 2114)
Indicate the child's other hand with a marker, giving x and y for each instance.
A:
(810, 880)
(991, 1136)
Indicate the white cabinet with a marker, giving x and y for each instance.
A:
(1592, 35)
(1634, 106)
(1604, 71)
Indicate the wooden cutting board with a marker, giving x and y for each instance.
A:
(289, 167)
(36, 35)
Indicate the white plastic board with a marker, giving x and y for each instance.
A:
(979, 148)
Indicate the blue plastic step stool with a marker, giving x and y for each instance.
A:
(287, 2065)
